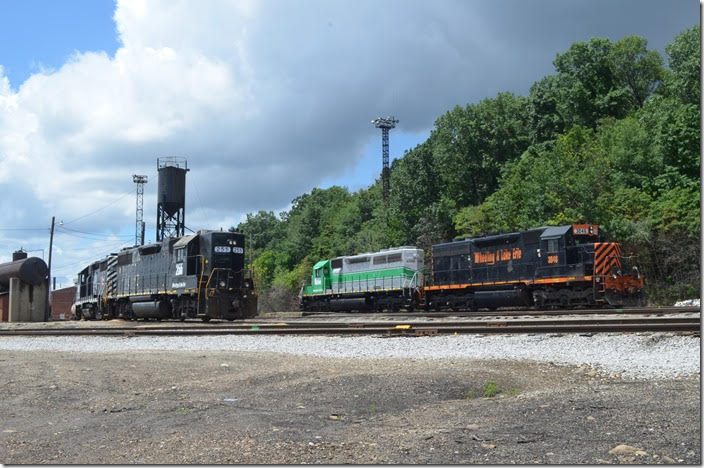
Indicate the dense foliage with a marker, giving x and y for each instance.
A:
(612, 137)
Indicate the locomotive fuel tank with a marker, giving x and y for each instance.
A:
(356, 303)
(502, 298)
(152, 309)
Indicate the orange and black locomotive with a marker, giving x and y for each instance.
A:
(569, 265)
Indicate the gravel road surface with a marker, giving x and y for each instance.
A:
(642, 355)
(442, 400)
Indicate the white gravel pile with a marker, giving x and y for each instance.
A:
(688, 303)
(658, 355)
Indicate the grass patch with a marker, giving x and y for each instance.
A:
(490, 389)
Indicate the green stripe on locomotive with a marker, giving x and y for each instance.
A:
(380, 280)
(363, 281)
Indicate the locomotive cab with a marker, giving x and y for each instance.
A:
(224, 259)
(320, 280)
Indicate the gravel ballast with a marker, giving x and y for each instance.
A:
(634, 356)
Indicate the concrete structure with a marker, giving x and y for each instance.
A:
(26, 284)
(27, 302)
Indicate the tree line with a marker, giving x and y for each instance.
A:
(611, 137)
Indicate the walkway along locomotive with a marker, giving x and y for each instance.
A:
(563, 266)
(195, 276)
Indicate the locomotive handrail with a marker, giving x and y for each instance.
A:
(218, 270)
(200, 277)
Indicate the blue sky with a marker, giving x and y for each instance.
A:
(267, 99)
(35, 34)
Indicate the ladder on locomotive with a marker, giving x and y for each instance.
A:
(598, 284)
(202, 289)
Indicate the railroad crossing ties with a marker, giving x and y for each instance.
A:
(640, 320)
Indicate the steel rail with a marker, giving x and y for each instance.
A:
(311, 324)
(624, 324)
(513, 312)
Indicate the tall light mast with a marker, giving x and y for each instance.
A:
(140, 180)
(385, 124)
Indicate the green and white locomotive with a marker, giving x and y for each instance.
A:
(390, 279)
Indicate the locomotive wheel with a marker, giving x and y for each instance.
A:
(98, 315)
(205, 319)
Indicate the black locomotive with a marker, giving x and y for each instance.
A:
(562, 266)
(194, 276)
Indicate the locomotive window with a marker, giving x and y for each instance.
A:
(336, 263)
(124, 259)
(180, 255)
(358, 260)
(317, 273)
(380, 260)
(552, 245)
(394, 258)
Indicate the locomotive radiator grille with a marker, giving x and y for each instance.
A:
(111, 276)
(606, 256)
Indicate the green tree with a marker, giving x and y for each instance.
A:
(260, 229)
(545, 103)
(636, 68)
(588, 84)
(265, 267)
(684, 60)
(471, 144)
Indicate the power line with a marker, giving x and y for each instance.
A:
(94, 233)
(95, 211)
(103, 238)
(110, 250)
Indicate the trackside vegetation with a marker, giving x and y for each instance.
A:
(611, 137)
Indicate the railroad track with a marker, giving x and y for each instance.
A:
(511, 313)
(672, 323)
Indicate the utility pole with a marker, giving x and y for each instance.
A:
(140, 180)
(48, 285)
(385, 124)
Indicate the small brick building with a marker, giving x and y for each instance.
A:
(4, 306)
(61, 301)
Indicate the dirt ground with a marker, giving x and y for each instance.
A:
(234, 407)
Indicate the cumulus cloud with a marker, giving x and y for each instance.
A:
(265, 99)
